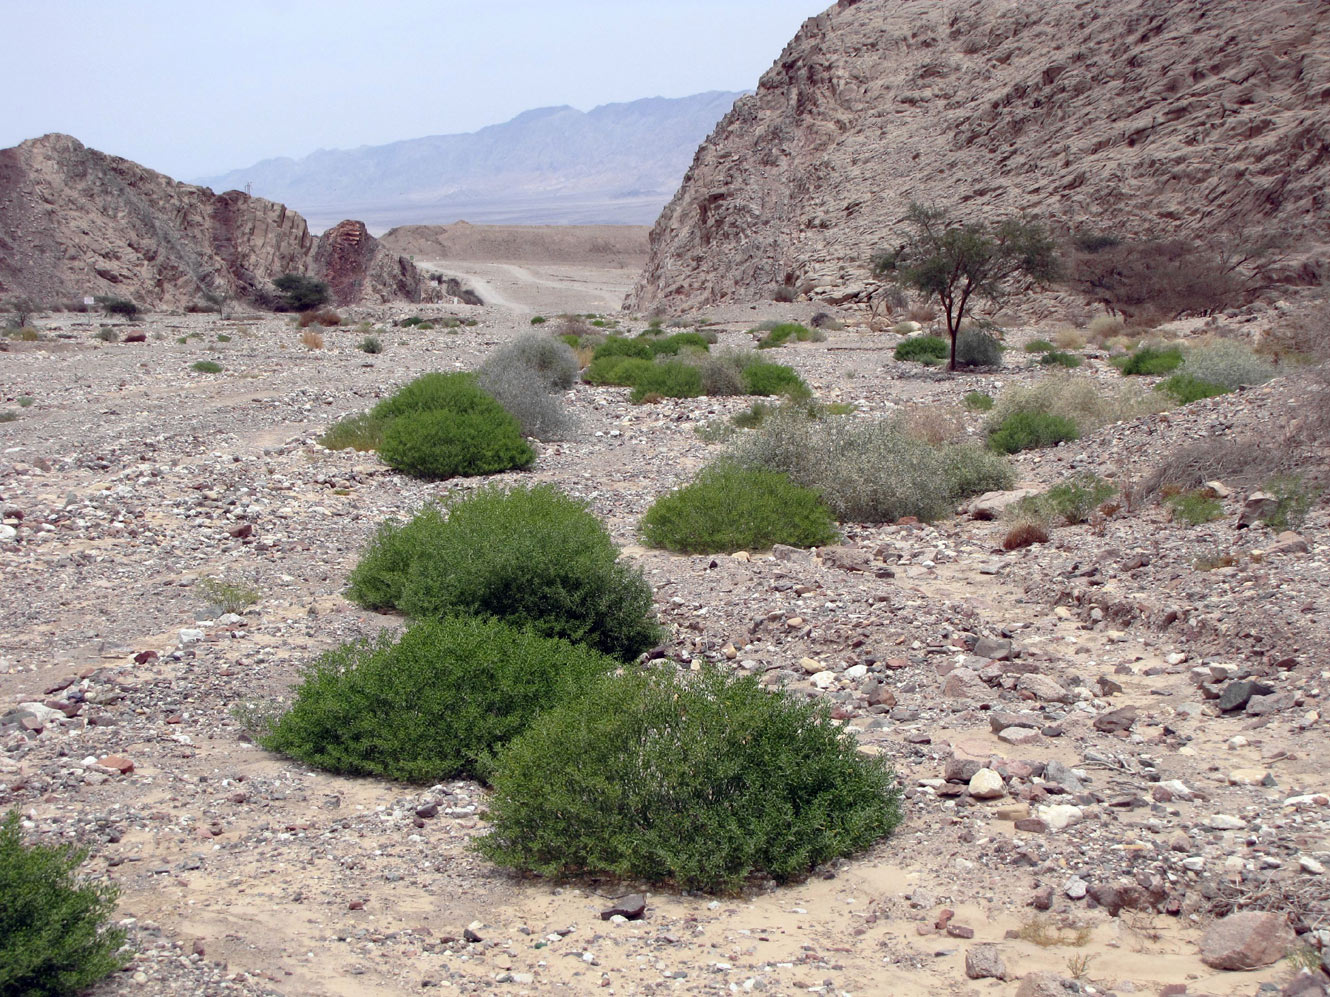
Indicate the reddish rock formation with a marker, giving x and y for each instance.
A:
(77, 222)
(1148, 118)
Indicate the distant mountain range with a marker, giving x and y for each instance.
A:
(617, 164)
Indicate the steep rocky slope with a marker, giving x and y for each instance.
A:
(77, 222)
(616, 164)
(1143, 117)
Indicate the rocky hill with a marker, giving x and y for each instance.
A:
(616, 164)
(1150, 118)
(76, 222)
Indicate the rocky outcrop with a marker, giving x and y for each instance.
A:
(1142, 118)
(75, 222)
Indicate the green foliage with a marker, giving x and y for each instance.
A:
(728, 508)
(1057, 358)
(1084, 401)
(1184, 388)
(1030, 431)
(870, 471)
(8, 415)
(621, 346)
(615, 369)
(434, 704)
(441, 444)
(538, 320)
(107, 335)
(698, 781)
(1039, 346)
(356, 432)
(923, 349)
(670, 379)
(1295, 498)
(300, 293)
(532, 556)
(976, 348)
(978, 401)
(228, 595)
(1227, 364)
(1195, 507)
(120, 306)
(55, 938)
(25, 400)
(1069, 502)
(780, 333)
(766, 379)
(679, 342)
(1153, 361)
(435, 393)
(206, 367)
(957, 262)
(371, 345)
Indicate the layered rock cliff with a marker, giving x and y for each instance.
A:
(76, 222)
(1189, 119)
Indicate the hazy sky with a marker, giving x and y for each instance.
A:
(194, 89)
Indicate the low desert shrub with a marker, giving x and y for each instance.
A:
(1069, 502)
(923, 349)
(1087, 403)
(699, 781)
(229, 595)
(1241, 463)
(206, 367)
(56, 938)
(300, 293)
(1039, 346)
(441, 444)
(434, 704)
(1030, 431)
(668, 379)
(1227, 364)
(760, 378)
(869, 471)
(1183, 388)
(325, 317)
(525, 375)
(1200, 505)
(361, 432)
(311, 340)
(622, 346)
(120, 306)
(978, 401)
(1025, 532)
(615, 370)
(728, 508)
(8, 415)
(532, 556)
(107, 334)
(371, 345)
(1152, 361)
(1057, 358)
(678, 343)
(780, 333)
(1102, 328)
(1069, 339)
(976, 348)
(932, 424)
(723, 372)
(538, 320)
(457, 392)
(1295, 498)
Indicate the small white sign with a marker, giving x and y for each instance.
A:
(88, 300)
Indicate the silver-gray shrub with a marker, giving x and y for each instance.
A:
(869, 471)
(547, 356)
(976, 348)
(1228, 364)
(722, 371)
(527, 377)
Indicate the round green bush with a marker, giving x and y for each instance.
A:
(760, 378)
(55, 938)
(532, 556)
(457, 393)
(728, 508)
(621, 346)
(434, 704)
(924, 349)
(976, 348)
(1153, 360)
(978, 401)
(1185, 388)
(1031, 430)
(1057, 358)
(670, 379)
(617, 370)
(438, 444)
(1039, 346)
(206, 367)
(698, 781)
(677, 342)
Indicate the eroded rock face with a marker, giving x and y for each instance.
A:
(1142, 118)
(76, 222)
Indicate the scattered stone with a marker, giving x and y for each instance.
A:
(984, 962)
(987, 785)
(631, 907)
(1076, 888)
(1061, 816)
(1258, 507)
(1043, 688)
(1246, 940)
(998, 649)
(1117, 721)
(1236, 694)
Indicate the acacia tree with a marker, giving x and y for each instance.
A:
(959, 261)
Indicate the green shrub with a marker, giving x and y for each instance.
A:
(670, 379)
(456, 393)
(120, 306)
(1227, 364)
(723, 372)
(1195, 507)
(370, 344)
(1056, 358)
(8, 415)
(1153, 360)
(107, 335)
(1082, 400)
(229, 596)
(1030, 431)
(728, 508)
(978, 401)
(1039, 346)
(1184, 388)
(679, 342)
(440, 444)
(532, 556)
(434, 704)
(206, 367)
(300, 293)
(55, 937)
(356, 432)
(780, 333)
(976, 348)
(538, 320)
(1295, 498)
(870, 471)
(1070, 502)
(621, 346)
(25, 400)
(698, 781)
(615, 369)
(924, 349)
(766, 379)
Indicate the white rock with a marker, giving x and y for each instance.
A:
(1225, 822)
(1076, 888)
(190, 636)
(1178, 788)
(823, 680)
(987, 785)
(1309, 865)
(7, 532)
(1061, 815)
(1194, 862)
(856, 671)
